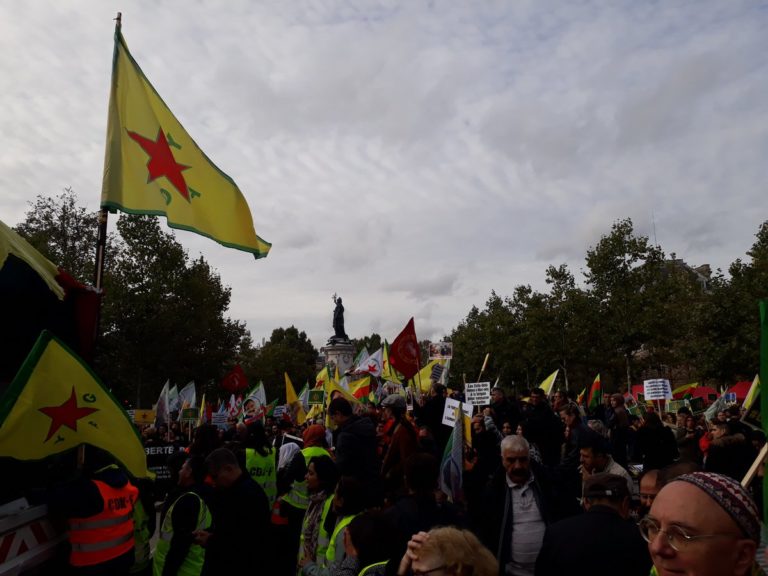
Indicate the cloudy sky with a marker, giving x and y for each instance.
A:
(412, 156)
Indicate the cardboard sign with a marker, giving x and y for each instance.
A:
(698, 406)
(440, 350)
(449, 414)
(143, 416)
(657, 389)
(316, 397)
(478, 393)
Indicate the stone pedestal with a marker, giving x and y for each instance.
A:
(339, 353)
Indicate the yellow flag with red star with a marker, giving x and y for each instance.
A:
(56, 403)
(152, 166)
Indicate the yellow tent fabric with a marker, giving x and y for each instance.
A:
(56, 403)
(152, 166)
(12, 243)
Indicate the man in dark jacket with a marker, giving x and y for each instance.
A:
(602, 542)
(522, 499)
(241, 527)
(355, 444)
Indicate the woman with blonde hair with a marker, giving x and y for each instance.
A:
(447, 551)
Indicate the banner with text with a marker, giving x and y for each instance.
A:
(658, 389)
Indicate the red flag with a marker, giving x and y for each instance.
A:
(235, 381)
(404, 352)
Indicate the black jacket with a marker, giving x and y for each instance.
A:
(598, 543)
(495, 531)
(355, 449)
(241, 530)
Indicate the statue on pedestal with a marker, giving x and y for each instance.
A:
(338, 322)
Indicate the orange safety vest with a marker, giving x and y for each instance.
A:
(109, 533)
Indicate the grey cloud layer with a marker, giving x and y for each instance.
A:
(412, 156)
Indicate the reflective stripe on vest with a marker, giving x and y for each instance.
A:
(262, 469)
(322, 535)
(297, 496)
(371, 567)
(330, 554)
(141, 537)
(108, 534)
(193, 561)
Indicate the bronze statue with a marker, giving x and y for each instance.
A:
(338, 320)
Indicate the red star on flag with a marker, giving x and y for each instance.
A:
(67, 414)
(161, 161)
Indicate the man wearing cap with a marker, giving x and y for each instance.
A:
(601, 542)
(703, 524)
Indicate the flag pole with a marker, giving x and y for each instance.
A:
(482, 369)
(101, 233)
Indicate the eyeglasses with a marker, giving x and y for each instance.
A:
(677, 538)
(424, 572)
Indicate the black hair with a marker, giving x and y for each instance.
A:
(326, 471)
(340, 405)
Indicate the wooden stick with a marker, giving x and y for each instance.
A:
(752, 472)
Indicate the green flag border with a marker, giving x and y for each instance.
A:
(18, 384)
(114, 206)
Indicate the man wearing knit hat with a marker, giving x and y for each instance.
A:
(702, 524)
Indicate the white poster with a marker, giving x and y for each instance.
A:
(478, 393)
(449, 415)
(659, 389)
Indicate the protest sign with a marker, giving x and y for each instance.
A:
(143, 416)
(674, 405)
(658, 389)
(219, 420)
(440, 350)
(478, 393)
(730, 398)
(316, 397)
(698, 406)
(157, 462)
(190, 415)
(449, 414)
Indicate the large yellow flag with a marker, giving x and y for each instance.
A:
(57, 403)
(152, 166)
(387, 372)
(422, 379)
(297, 409)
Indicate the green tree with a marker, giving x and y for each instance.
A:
(370, 343)
(622, 269)
(288, 350)
(63, 232)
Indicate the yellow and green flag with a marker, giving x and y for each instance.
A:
(293, 402)
(56, 403)
(423, 378)
(152, 166)
(387, 371)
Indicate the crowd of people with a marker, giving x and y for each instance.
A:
(547, 489)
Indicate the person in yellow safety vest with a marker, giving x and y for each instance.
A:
(370, 545)
(321, 482)
(294, 504)
(176, 552)
(260, 460)
(98, 507)
(348, 501)
(144, 524)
